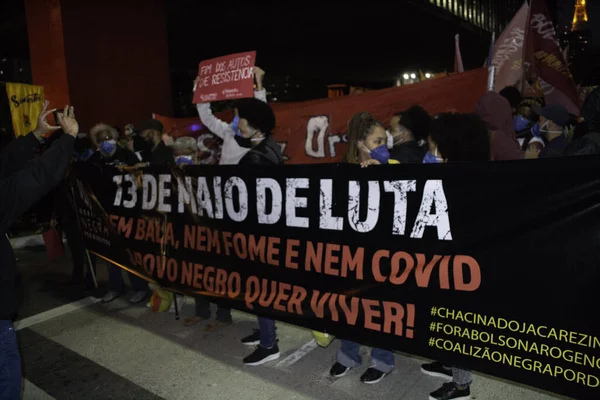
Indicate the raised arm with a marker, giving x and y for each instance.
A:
(26, 186)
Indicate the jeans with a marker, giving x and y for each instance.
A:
(116, 282)
(461, 377)
(349, 356)
(268, 336)
(203, 310)
(10, 362)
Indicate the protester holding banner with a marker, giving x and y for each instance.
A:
(407, 129)
(366, 146)
(231, 152)
(25, 180)
(255, 126)
(451, 133)
(110, 153)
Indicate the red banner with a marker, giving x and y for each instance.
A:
(547, 67)
(226, 78)
(315, 131)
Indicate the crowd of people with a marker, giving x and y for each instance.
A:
(503, 126)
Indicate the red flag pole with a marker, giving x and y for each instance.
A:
(524, 50)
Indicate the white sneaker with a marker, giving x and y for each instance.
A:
(138, 297)
(110, 296)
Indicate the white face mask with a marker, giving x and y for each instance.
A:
(543, 128)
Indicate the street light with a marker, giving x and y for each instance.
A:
(413, 76)
(405, 76)
(427, 75)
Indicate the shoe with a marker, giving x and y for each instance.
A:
(191, 321)
(437, 369)
(215, 326)
(262, 355)
(138, 297)
(372, 376)
(110, 296)
(338, 370)
(252, 340)
(450, 392)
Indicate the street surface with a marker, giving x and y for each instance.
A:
(74, 347)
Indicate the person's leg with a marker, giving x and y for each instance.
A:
(462, 378)
(116, 284)
(382, 360)
(267, 349)
(202, 307)
(10, 362)
(224, 314)
(140, 289)
(268, 334)
(349, 354)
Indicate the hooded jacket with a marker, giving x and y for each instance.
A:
(267, 152)
(495, 111)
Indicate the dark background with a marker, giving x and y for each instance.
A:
(304, 46)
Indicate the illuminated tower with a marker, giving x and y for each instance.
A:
(580, 18)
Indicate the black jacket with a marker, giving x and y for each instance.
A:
(267, 152)
(408, 153)
(121, 157)
(161, 155)
(23, 182)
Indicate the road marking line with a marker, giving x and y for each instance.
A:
(30, 391)
(55, 312)
(297, 355)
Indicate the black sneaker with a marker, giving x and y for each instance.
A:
(372, 376)
(252, 340)
(338, 370)
(262, 355)
(450, 392)
(437, 369)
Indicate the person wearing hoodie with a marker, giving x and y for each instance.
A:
(407, 129)
(231, 152)
(497, 114)
(554, 119)
(25, 180)
(253, 132)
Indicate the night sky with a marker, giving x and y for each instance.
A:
(374, 42)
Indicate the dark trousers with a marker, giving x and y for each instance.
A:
(10, 362)
(77, 247)
(203, 310)
(117, 283)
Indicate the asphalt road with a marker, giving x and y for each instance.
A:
(74, 347)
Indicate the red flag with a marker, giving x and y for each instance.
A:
(545, 63)
(507, 54)
(458, 63)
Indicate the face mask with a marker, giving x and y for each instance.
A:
(380, 153)
(184, 160)
(544, 130)
(520, 123)
(234, 126)
(535, 130)
(243, 142)
(108, 147)
(432, 158)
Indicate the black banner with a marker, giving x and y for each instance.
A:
(491, 267)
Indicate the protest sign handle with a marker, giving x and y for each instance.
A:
(491, 78)
(91, 268)
(87, 253)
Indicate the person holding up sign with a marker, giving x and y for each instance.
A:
(367, 145)
(234, 148)
(231, 152)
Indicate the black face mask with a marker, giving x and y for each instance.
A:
(140, 144)
(243, 142)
